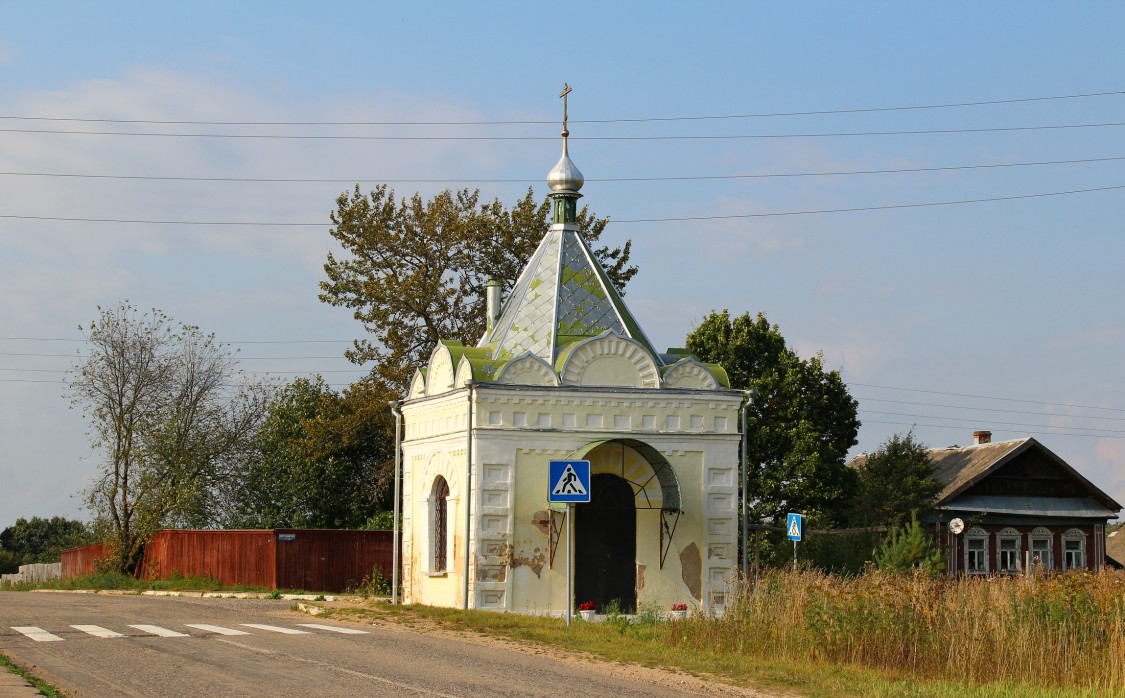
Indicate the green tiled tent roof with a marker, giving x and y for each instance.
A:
(562, 296)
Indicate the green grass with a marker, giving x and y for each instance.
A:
(40, 685)
(683, 646)
(122, 582)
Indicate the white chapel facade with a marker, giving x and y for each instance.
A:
(564, 372)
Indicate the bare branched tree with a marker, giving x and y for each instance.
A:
(165, 409)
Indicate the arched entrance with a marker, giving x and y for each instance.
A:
(605, 544)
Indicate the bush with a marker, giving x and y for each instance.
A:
(910, 548)
(374, 585)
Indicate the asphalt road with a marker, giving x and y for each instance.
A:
(97, 645)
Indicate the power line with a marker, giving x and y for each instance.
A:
(241, 370)
(1011, 424)
(854, 209)
(256, 224)
(248, 341)
(532, 180)
(29, 380)
(869, 208)
(821, 112)
(990, 409)
(697, 137)
(862, 399)
(961, 428)
(862, 385)
(987, 397)
(239, 357)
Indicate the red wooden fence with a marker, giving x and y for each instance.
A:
(82, 560)
(313, 560)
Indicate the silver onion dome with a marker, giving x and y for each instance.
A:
(564, 176)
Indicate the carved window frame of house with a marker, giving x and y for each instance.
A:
(1074, 557)
(1042, 534)
(979, 536)
(439, 527)
(1008, 560)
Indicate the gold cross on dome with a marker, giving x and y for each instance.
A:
(565, 91)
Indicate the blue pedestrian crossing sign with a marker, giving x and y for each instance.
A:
(793, 526)
(569, 481)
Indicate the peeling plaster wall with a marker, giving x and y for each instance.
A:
(431, 448)
(517, 432)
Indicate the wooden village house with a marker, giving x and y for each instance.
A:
(1012, 506)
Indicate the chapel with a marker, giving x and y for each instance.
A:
(565, 372)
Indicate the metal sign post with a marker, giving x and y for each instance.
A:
(568, 482)
(569, 576)
(793, 529)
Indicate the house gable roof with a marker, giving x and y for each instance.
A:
(960, 468)
(1115, 545)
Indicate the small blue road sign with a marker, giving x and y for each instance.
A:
(793, 526)
(569, 481)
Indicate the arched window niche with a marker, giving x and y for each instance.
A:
(439, 526)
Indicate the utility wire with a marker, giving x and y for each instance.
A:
(864, 399)
(869, 208)
(697, 137)
(987, 397)
(239, 357)
(863, 385)
(532, 180)
(1038, 429)
(248, 341)
(961, 428)
(859, 110)
(243, 370)
(854, 209)
(1015, 424)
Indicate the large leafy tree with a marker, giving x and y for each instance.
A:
(413, 271)
(316, 462)
(165, 408)
(42, 540)
(800, 426)
(895, 481)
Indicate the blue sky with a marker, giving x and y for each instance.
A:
(1016, 301)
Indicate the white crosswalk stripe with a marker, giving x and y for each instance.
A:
(37, 634)
(275, 629)
(333, 628)
(159, 631)
(96, 631)
(218, 629)
(40, 635)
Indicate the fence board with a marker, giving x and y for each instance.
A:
(313, 560)
(319, 560)
(79, 561)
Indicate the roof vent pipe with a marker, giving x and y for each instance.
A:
(982, 437)
(492, 301)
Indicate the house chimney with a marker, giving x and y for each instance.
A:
(492, 302)
(982, 437)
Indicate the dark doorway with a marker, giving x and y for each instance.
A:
(605, 542)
